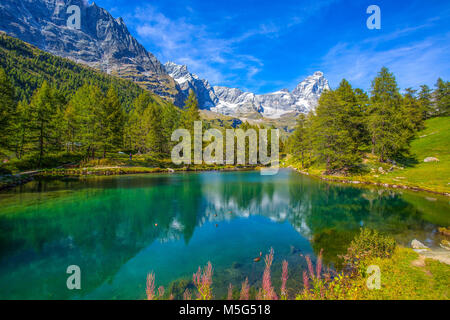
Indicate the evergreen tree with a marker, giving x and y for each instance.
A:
(155, 136)
(333, 139)
(191, 112)
(170, 122)
(388, 121)
(414, 110)
(43, 108)
(426, 101)
(7, 109)
(21, 129)
(354, 113)
(112, 120)
(84, 114)
(442, 97)
(300, 143)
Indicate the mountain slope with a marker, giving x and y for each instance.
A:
(235, 102)
(188, 81)
(27, 67)
(102, 42)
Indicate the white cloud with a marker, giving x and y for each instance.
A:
(419, 62)
(202, 51)
(206, 53)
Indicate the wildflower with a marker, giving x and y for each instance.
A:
(230, 292)
(284, 277)
(268, 293)
(150, 290)
(161, 291)
(305, 281)
(245, 290)
(203, 282)
(319, 264)
(187, 295)
(310, 266)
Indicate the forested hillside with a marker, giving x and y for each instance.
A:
(28, 67)
(54, 111)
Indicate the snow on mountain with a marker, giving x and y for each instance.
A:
(235, 102)
(188, 81)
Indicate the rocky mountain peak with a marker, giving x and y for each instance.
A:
(102, 42)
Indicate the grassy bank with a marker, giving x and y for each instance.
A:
(403, 276)
(412, 173)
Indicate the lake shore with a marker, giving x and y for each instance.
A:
(12, 181)
(367, 181)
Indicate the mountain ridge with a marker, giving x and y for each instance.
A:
(235, 102)
(102, 41)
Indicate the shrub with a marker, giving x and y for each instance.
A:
(367, 245)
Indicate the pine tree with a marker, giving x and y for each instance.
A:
(43, 108)
(191, 112)
(21, 129)
(354, 113)
(300, 143)
(442, 97)
(414, 110)
(388, 121)
(170, 122)
(137, 128)
(333, 139)
(155, 136)
(7, 109)
(426, 101)
(83, 112)
(112, 121)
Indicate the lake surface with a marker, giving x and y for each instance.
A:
(117, 229)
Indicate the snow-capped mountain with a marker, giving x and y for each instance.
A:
(235, 102)
(187, 81)
(273, 105)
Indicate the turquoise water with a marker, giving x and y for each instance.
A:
(117, 229)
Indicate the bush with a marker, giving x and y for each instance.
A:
(367, 245)
(4, 171)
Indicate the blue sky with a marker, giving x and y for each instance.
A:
(263, 46)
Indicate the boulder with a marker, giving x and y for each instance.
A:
(416, 244)
(431, 159)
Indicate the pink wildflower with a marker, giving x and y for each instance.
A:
(150, 290)
(203, 282)
(305, 281)
(230, 292)
(284, 277)
(245, 290)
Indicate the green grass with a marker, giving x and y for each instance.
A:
(413, 172)
(403, 276)
(401, 280)
(434, 141)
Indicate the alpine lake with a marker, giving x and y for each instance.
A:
(118, 229)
